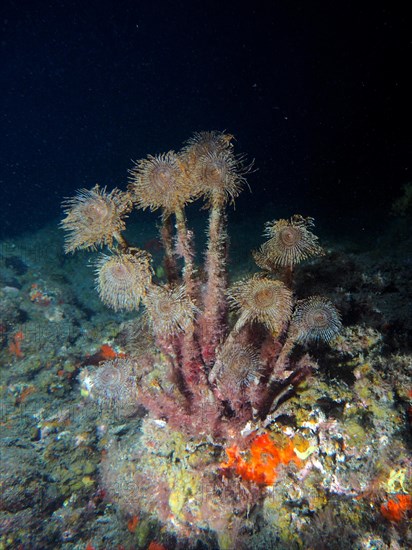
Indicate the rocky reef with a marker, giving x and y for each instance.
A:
(228, 413)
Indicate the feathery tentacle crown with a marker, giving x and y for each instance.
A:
(315, 318)
(238, 365)
(216, 172)
(262, 300)
(122, 279)
(114, 383)
(219, 176)
(205, 143)
(160, 182)
(290, 242)
(170, 310)
(94, 217)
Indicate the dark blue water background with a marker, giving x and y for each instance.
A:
(317, 93)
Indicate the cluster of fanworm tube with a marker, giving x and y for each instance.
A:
(221, 372)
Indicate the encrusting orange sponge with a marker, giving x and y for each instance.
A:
(265, 457)
(397, 508)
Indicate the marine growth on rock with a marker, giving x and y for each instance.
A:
(220, 356)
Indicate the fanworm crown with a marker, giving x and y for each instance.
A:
(205, 143)
(315, 318)
(122, 279)
(159, 182)
(113, 384)
(170, 310)
(236, 365)
(94, 218)
(290, 242)
(263, 300)
(219, 175)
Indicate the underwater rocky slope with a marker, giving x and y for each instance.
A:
(266, 411)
